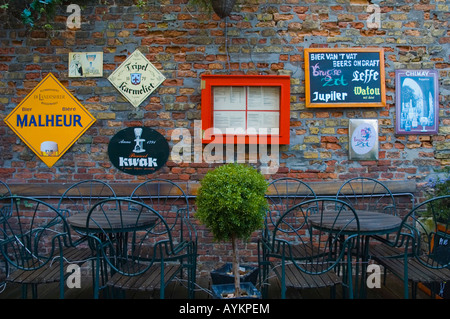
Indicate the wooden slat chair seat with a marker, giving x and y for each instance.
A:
(300, 280)
(148, 281)
(51, 273)
(417, 272)
(42, 275)
(77, 255)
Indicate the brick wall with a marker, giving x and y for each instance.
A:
(260, 37)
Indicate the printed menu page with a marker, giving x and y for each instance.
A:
(229, 98)
(264, 98)
(248, 108)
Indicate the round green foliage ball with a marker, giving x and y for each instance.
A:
(231, 201)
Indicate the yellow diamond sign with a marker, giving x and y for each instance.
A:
(49, 120)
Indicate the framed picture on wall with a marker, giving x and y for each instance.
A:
(363, 140)
(417, 101)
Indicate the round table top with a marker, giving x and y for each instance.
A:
(112, 221)
(370, 223)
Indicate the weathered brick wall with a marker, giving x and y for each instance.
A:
(261, 37)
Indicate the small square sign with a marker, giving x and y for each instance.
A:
(85, 64)
(136, 78)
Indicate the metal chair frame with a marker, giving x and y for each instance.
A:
(411, 256)
(81, 196)
(6, 211)
(126, 259)
(306, 257)
(35, 240)
(284, 193)
(172, 203)
(369, 193)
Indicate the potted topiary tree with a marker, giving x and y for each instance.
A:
(231, 203)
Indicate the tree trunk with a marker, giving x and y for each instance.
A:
(237, 276)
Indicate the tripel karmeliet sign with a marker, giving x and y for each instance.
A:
(49, 120)
(136, 78)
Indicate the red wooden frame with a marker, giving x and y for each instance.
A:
(208, 82)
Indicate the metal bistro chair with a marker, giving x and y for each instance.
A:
(307, 244)
(419, 253)
(78, 198)
(34, 239)
(137, 245)
(6, 212)
(284, 193)
(172, 203)
(367, 194)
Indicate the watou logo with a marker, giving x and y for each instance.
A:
(138, 150)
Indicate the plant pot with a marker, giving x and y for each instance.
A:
(224, 274)
(248, 291)
(223, 8)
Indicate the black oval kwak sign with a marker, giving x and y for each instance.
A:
(138, 150)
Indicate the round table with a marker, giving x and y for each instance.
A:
(370, 223)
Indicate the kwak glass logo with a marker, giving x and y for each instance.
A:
(138, 150)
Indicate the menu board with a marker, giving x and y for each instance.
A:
(350, 77)
(246, 108)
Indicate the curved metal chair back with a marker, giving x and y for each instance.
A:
(315, 228)
(428, 226)
(125, 233)
(367, 194)
(164, 196)
(81, 196)
(6, 208)
(5, 213)
(32, 238)
(134, 239)
(284, 193)
(420, 254)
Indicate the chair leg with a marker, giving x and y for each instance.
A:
(24, 291)
(414, 290)
(333, 292)
(405, 288)
(283, 283)
(34, 291)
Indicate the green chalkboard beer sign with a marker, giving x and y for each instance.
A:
(350, 77)
(138, 150)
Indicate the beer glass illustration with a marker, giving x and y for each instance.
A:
(49, 148)
(139, 147)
